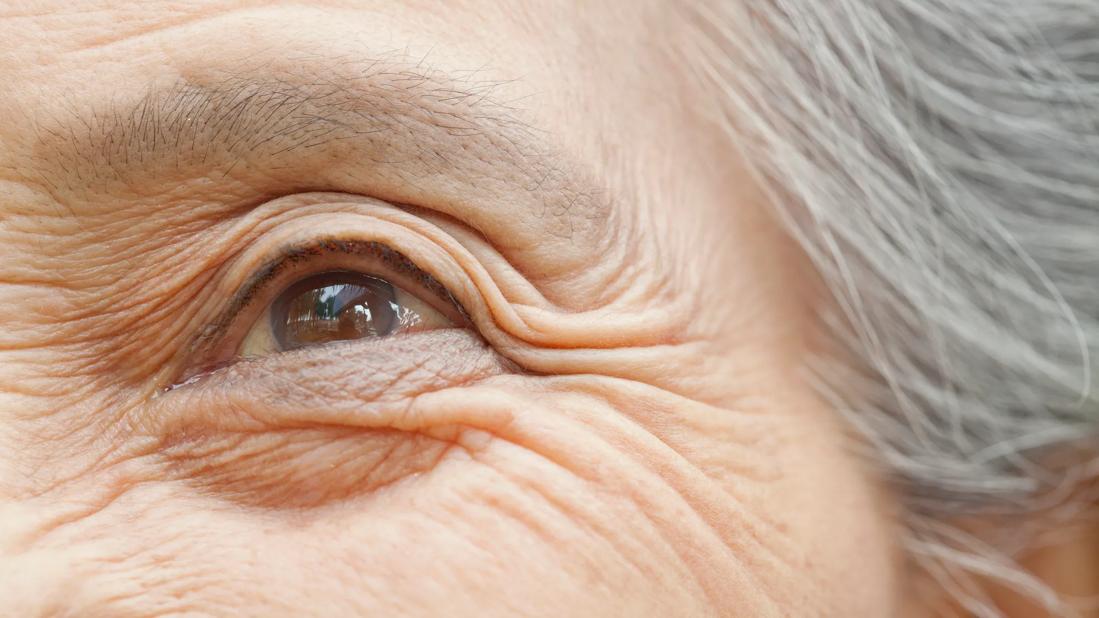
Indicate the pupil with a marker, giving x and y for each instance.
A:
(336, 306)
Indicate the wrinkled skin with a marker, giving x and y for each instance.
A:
(622, 428)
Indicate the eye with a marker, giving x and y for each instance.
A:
(322, 292)
(339, 305)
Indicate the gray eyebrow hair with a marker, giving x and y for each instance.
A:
(386, 112)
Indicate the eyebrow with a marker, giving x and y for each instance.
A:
(403, 120)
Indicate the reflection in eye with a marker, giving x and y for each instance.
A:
(338, 306)
(335, 306)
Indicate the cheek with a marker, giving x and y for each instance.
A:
(832, 505)
(595, 497)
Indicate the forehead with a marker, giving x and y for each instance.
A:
(534, 55)
(508, 94)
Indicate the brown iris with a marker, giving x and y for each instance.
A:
(334, 306)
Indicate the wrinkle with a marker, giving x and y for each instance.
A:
(650, 479)
(301, 468)
(599, 529)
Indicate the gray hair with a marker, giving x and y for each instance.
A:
(937, 159)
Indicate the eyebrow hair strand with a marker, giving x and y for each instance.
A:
(384, 114)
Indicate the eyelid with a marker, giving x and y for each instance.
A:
(393, 259)
(256, 290)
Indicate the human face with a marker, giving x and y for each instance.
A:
(600, 410)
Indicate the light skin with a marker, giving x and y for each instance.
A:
(610, 420)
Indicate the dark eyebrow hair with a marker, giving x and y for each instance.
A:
(382, 113)
(186, 122)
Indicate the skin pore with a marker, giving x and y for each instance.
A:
(622, 428)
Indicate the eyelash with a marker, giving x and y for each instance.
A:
(258, 288)
(392, 259)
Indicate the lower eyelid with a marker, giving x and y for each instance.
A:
(300, 468)
(364, 384)
(307, 427)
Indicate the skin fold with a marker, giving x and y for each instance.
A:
(622, 427)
